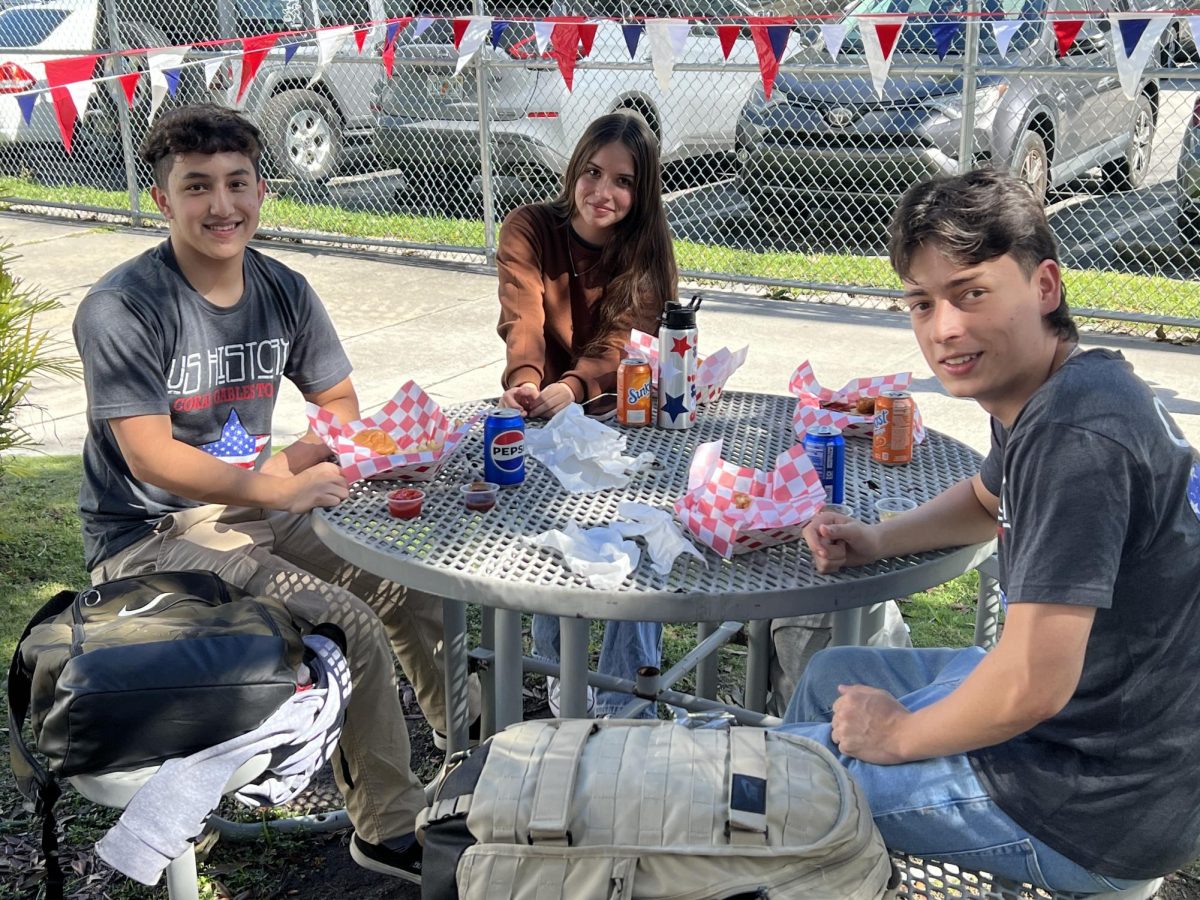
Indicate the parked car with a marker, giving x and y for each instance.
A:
(1187, 179)
(428, 118)
(823, 137)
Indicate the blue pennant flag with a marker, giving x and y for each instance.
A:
(172, 76)
(289, 50)
(944, 34)
(779, 37)
(26, 102)
(1131, 33)
(391, 33)
(633, 34)
(497, 30)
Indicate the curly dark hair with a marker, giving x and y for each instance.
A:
(200, 128)
(975, 217)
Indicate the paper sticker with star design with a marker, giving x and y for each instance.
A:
(237, 446)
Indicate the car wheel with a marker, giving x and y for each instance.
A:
(1189, 223)
(1032, 164)
(304, 136)
(1128, 172)
(1170, 48)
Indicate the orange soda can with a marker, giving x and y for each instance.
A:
(893, 441)
(634, 404)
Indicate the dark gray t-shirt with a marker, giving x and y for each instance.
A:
(152, 345)
(1100, 506)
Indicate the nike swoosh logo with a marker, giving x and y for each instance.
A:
(144, 608)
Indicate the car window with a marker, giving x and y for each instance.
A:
(28, 27)
(343, 12)
(918, 35)
(265, 16)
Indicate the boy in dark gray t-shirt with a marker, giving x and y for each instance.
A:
(1069, 755)
(184, 348)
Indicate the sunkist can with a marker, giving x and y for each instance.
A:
(635, 404)
(893, 440)
(504, 447)
(826, 449)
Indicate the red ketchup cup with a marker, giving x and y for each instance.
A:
(405, 503)
(480, 496)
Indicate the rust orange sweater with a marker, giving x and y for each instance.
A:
(547, 312)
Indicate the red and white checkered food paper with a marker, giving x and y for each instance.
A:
(781, 500)
(810, 395)
(711, 371)
(412, 419)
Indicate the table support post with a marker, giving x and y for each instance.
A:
(847, 624)
(487, 674)
(758, 665)
(706, 672)
(573, 667)
(509, 668)
(454, 634)
(872, 621)
(987, 613)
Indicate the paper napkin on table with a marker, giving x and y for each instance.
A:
(712, 371)
(657, 527)
(816, 405)
(583, 454)
(601, 555)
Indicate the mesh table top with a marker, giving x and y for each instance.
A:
(482, 557)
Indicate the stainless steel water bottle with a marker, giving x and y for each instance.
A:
(677, 365)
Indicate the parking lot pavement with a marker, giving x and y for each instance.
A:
(403, 317)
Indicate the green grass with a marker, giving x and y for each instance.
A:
(1095, 289)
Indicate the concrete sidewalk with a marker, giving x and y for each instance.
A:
(402, 317)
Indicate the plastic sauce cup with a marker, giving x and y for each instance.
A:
(890, 507)
(480, 496)
(405, 503)
(839, 508)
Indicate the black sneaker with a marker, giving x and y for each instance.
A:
(473, 732)
(399, 857)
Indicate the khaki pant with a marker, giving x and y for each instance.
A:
(277, 554)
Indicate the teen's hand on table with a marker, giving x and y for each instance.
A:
(321, 485)
(866, 723)
(553, 398)
(523, 397)
(839, 542)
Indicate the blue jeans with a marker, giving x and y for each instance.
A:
(627, 647)
(936, 808)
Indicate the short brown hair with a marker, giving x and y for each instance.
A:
(973, 218)
(200, 128)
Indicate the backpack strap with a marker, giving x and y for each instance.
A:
(556, 782)
(747, 786)
(34, 781)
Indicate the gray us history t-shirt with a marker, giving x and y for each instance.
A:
(152, 345)
(1100, 506)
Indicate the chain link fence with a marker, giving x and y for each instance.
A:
(790, 194)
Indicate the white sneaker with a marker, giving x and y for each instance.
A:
(552, 697)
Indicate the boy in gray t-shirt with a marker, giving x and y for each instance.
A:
(184, 348)
(1068, 755)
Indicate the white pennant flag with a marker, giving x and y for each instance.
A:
(833, 35)
(422, 26)
(1004, 29)
(667, 38)
(211, 67)
(541, 31)
(157, 61)
(880, 35)
(329, 42)
(81, 93)
(1134, 38)
(478, 28)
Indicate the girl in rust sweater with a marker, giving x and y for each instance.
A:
(575, 276)
(578, 273)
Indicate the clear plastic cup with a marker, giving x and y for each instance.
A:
(479, 496)
(839, 508)
(890, 507)
(405, 503)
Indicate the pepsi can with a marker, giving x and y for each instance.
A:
(826, 449)
(504, 447)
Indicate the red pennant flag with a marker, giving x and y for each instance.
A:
(460, 28)
(254, 51)
(129, 84)
(564, 40)
(587, 34)
(728, 35)
(768, 65)
(360, 38)
(59, 73)
(888, 32)
(389, 45)
(1066, 30)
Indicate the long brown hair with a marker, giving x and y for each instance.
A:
(639, 251)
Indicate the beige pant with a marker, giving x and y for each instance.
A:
(277, 554)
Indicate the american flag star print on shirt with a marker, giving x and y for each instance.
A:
(237, 446)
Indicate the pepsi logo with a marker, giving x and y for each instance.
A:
(508, 450)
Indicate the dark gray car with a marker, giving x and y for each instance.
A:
(829, 136)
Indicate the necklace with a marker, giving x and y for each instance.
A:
(571, 238)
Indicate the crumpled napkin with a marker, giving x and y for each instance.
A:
(601, 555)
(583, 454)
(657, 527)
